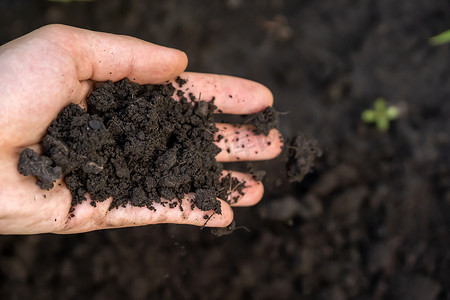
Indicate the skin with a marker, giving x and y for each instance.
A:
(47, 69)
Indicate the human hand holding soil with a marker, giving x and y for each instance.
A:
(51, 67)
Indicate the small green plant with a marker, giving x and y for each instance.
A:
(440, 39)
(381, 114)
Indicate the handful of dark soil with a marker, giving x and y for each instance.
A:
(135, 143)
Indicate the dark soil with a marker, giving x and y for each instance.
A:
(264, 121)
(134, 143)
(302, 154)
(43, 167)
(371, 221)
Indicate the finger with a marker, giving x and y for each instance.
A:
(239, 143)
(88, 218)
(102, 56)
(231, 95)
(246, 192)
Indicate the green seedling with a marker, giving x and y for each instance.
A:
(381, 115)
(440, 39)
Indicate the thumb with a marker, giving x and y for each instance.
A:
(103, 56)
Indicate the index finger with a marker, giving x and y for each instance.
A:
(232, 95)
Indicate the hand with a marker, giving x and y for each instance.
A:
(45, 70)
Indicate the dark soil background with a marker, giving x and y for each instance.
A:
(371, 222)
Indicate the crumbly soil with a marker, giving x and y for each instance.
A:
(133, 143)
(303, 151)
(140, 146)
(264, 121)
(372, 219)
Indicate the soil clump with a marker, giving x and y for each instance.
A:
(135, 143)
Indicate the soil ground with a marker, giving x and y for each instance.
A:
(372, 221)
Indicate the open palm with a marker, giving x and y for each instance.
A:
(43, 71)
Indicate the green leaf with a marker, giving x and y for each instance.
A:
(383, 124)
(368, 116)
(440, 39)
(380, 105)
(392, 113)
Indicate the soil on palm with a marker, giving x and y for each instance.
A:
(135, 143)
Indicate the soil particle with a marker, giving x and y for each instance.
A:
(224, 230)
(206, 200)
(31, 163)
(303, 152)
(134, 143)
(180, 81)
(202, 109)
(264, 121)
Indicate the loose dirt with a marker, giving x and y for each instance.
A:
(134, 143)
